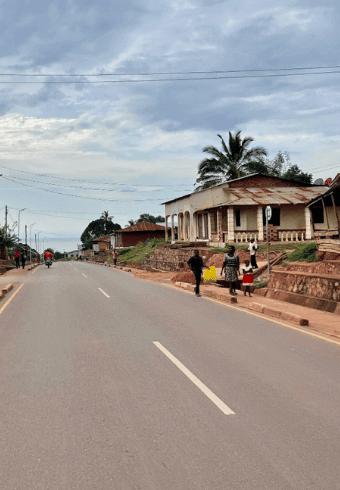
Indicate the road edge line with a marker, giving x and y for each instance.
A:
(10, 299)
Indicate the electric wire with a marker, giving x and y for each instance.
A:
(168, 79)
(167, 73)
(80, 197)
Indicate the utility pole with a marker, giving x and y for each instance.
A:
(19, 222)
(26, 238)
(31, 241)
(6, 213)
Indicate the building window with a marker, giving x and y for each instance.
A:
(275, 219)
(317, 213)
(237, 217)
(213, 218)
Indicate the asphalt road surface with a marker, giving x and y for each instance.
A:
(110, 382)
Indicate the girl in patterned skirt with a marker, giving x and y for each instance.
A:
(248, 278)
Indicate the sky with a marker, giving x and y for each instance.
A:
(106, 106)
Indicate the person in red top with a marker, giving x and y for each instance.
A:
(17, 259)
(47, 255)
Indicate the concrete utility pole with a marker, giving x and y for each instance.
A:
(26, 239)
(31, 241)
(6, 213)
(19, 222)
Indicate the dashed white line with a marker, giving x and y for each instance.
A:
(104, 293)
(84, 275)
(222, 406)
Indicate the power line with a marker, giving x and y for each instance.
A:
(90, 181)
(172, 79)
(74, 195)
(166, 73)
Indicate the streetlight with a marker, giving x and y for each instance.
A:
(19, 222)
(30, 241)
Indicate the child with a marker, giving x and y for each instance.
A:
(248, 279)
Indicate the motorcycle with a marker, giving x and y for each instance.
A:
(48, 262)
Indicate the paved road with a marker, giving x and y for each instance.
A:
(91, 397)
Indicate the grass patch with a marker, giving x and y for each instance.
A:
(260, 284)
(304, 252)
(141, 251)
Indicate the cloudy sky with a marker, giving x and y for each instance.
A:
(76, 141)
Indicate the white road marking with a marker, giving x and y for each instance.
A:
(84, 275)
(222, 406)
(104, 293)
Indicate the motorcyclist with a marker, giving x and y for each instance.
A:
(47, 256)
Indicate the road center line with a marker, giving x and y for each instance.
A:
(10, 299)
(222, 406)
(84, 275)
(104, 293)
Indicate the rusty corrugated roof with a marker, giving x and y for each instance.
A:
(252, 196)
(144, 226)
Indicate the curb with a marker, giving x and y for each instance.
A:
(6, 290)
(275, 313)
(207, 294)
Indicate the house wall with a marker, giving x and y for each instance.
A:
(332, 220)
(292, 217)
(130, 239)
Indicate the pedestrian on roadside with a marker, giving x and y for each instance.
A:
(248, 279)
(23, 259)
(231, 266)
(253, 248)
(17, 259)
(196, 265)
(115, 256)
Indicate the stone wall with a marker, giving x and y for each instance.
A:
(172, 258)
(312, 284)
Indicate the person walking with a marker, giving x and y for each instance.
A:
(253, 248)
(17, 259)
(23, 259)
(115, 256)
(196, 265)
(231, 266)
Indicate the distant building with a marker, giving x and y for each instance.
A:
(130, 236)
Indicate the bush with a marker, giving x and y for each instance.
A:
(304, 252)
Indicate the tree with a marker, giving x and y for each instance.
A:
(132, 222)
(99, 227)
(282, 167)
(58, 255)
(233, 162)
(150, 219)
(7, 240)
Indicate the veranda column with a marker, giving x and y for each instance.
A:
(231, 224)
(166, 228)
(172, 228)
(260, 223)
(209, 226)
(308, 218)
(192, 227)
(219, 223)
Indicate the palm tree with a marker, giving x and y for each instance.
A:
(233, 163)
(105, 216)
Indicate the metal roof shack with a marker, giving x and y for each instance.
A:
(132, 235)
(143, 226)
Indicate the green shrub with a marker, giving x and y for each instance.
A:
(304, 252)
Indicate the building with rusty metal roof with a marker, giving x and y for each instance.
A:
(235, 211)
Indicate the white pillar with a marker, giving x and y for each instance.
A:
(209, 226)
(231, 224)
(260, 223)
(308, 218)
(166, 228)
(219, 223)
(172, 228)
(192, 228)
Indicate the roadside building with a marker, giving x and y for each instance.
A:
(235, 211)
(325, 211)
(130, 236)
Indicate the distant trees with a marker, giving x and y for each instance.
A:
(7, 240)
(147, 217)
(237, 160)
(99, 227)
